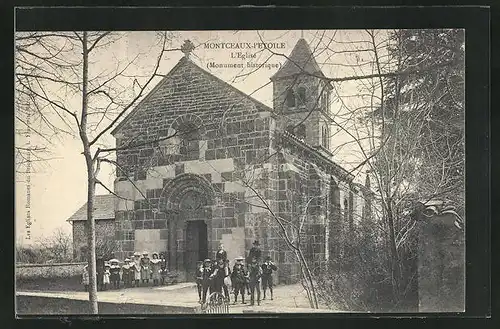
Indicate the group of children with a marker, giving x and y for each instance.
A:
(133, 271)
(215, 276)
(211, 275)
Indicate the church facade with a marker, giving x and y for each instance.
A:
(201, 163)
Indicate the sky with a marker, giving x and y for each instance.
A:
(55, 189)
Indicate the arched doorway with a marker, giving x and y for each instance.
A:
(193, 210)
(189, 205)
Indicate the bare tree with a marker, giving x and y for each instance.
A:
(55, 80)
(58, 246)
(401, 140)
(104, 101)
(414, 134)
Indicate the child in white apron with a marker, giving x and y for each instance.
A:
(135, 264)
(105, 279)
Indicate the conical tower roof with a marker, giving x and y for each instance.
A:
(301, 60)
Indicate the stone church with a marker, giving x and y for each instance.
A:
(200, 163)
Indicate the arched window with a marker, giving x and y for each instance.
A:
(189, 145)
(301, 95)
(301, 131)
(290, 98)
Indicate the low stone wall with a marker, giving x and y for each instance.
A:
(46, 271)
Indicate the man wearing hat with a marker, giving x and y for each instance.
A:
(238, 279)
(255, 252)
(267, 276)
(254, 275)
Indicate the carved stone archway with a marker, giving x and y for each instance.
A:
(189, 202)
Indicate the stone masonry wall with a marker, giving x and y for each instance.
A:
(48, 271)
(105, 229)
(233, 143)
(327, 221)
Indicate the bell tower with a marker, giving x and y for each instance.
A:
(301, 98)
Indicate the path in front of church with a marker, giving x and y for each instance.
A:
(183, 297)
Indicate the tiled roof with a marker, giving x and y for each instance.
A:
(301, 60)
(104, 208)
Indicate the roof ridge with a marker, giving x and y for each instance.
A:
(210, 74)
(100, 209)
(143, 100)
(168, 75)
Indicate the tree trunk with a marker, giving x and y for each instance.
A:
(91, 182)
(395, 270)
(91, 240)
(305, 282)
(308, 277)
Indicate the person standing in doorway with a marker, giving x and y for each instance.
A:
(267, 276)
(254, 276)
